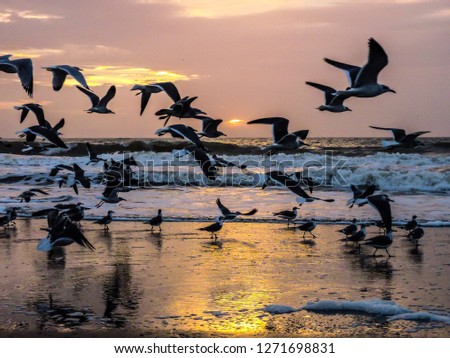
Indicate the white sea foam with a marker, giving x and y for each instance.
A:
(279, 309)
(375, 307)
(386, 308)
(421, 316)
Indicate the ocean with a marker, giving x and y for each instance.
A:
(417, 179)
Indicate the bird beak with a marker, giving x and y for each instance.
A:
(391, 90)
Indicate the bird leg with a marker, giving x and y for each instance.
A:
(314, 236)
(160, 228)
(375, 252)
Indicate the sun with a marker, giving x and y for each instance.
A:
(235, 121)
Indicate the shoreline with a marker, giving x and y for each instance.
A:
(179, 283)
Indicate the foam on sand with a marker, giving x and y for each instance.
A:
(375, 307)
(279, 309)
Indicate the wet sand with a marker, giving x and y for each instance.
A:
(179, 284)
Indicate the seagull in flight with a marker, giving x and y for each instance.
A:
(232, 215)
(147, 90)
(36, 109)
(382, 204)
(360, 195)
(60, 73)
(93, 156)
(401, 139)
(282, 139)
(24, 69)
(182, 131)
(181, 109)
(363, 80)
(292, 185)
(203, 160)
(27, 195)
(50, 134)
(209, 127)
(99, 105)
(62, 232)
(332, 104)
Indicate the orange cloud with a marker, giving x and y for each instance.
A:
(126, 76)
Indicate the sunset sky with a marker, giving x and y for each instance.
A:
(244, 59)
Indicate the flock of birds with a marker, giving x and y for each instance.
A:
(64, 219)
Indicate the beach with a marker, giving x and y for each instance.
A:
(178, 283)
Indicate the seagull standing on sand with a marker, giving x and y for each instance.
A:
(358, 236)
(147, 90)
(415, 235)
(332, 104)
(60, 73)
(289, 215)
(309, 226)
(229, 215)
(215, 227)
(105, 220)
(156, 221)
(99, 105)
(411, 225)
(24, 69)
(401, 139)
(350, 229)
(282, 140)
(363, 80)
(11, 215)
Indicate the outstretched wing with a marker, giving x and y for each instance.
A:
(381, 203)
(224, 210)
(170, 89)
(75, 72)
(108, 96)
(328, 91)
(399, 134)
(24, 68)
(350, 70)
(92, 96)
(59, 125)
(279, 126)
(377, 61)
